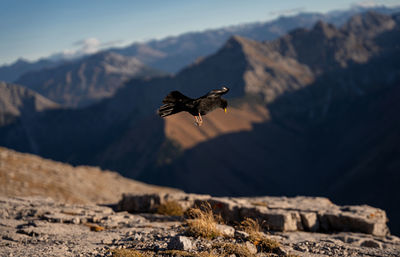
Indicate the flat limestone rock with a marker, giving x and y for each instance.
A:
(314, 214)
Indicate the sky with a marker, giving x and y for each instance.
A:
(34, 29)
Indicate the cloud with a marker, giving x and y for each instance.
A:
(369, 3)
(287, 11)
(88, 46)
(84, 47)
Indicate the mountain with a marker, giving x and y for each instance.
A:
(82, 82)
(19, 102)
(21, 105)
(313, 112)
(11, 72)
(174, 53)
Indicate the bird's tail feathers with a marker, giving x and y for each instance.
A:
(172, 103)
(167, 109)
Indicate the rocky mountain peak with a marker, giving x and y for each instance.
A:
(112, 58)
(370, 24)
(16, 92)
(20, 61)
(325, 29)
(16, 100)
(235, 41)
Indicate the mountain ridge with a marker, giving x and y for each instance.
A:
(17, 101)
(160, 54)
(87, 80)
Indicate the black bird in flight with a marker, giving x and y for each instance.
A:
(176, 102)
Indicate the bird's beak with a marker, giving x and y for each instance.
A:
(225, 110)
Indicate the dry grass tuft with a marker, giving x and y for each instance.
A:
(94, 227)
(240, 250)
(130, 253)
(175, 253)
(171, 208)
(250, 226)
(259, 203)
(179, 253)
(202, 222)
(253, 228)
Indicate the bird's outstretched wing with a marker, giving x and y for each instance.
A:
(175, 96)
(218, 92)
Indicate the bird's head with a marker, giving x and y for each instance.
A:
(224, 104)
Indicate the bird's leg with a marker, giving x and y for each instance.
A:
(197, 121)
(200, 122)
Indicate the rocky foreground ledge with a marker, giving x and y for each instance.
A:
(313, 214)
(300, 226)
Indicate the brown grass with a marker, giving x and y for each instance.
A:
(130, 253)
(171, 208)
(259, 203)
(253, 228)
(202, 222)
(240, 250)
(179, 253)
(94, 227)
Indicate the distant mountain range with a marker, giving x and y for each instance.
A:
(12, 72)
(82, 82)
(312, 112)
(174, 53)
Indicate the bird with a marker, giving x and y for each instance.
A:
(176, 102)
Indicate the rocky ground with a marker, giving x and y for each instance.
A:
(49, 208)
(41, 227)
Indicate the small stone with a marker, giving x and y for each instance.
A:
(180, 243)
(310, 221)
(107, 241)
(281, 251)
(371, 244)
(251, 247)
(226, 230)
(241, 235)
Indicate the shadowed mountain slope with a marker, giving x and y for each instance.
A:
(17, 101)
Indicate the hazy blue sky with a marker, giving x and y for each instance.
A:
(33, 29)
